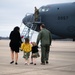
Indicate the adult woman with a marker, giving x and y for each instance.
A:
(15, 42)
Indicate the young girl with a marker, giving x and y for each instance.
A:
(26, 47)
(35, 53)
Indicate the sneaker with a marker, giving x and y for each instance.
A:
(46, 62)
(16, 63)
(11, 62)
(34, 63)
(31, 63)
(25, 63)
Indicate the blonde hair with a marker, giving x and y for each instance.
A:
(34, 44)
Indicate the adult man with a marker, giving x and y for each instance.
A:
(45, 37)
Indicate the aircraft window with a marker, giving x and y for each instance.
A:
(43, 9)
(47, 9)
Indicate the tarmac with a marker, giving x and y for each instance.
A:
(61, 61)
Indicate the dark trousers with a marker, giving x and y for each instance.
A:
(45, 53)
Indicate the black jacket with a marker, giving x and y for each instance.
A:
(34, 49)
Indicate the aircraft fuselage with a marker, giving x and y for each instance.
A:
(59, 19)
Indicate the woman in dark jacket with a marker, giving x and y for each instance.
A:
(15, 42)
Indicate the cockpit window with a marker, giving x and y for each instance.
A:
(47, 9)
(44, 9)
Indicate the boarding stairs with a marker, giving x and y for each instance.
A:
(30, 27)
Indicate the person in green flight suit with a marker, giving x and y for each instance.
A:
(36, 14)
(45, 37)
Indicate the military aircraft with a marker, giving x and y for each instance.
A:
(58, 18)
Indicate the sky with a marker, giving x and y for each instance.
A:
(13, 11)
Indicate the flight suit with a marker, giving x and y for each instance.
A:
(45, 37)
(36, 14)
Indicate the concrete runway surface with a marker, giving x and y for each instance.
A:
(61, 61)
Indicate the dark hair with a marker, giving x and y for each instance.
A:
(16, 28)
(42, 25)
(26, 40)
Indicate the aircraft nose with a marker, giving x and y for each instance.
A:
(29, 22)
(28, 19)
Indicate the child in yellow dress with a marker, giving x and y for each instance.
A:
(26, 47)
